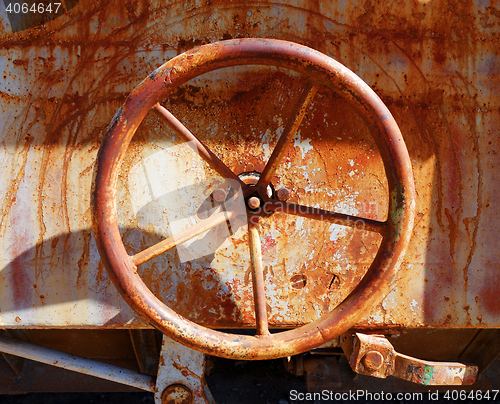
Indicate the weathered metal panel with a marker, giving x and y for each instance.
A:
(435, 65)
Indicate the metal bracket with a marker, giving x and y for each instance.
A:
(374, 355)
(181, 376)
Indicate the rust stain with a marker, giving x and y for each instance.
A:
(439, 80)
(258, 195)
(10, 197)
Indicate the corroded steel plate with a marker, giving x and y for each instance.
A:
(434, 64)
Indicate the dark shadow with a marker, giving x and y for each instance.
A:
(62, 280)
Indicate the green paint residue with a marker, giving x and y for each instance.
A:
(428, 371)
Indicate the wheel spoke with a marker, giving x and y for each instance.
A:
(328, 216)
(181, 237)
(287, 135)
(259, 295)
(201, 149)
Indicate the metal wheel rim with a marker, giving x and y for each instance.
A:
(325, 71)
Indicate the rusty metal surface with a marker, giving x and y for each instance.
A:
(434, 373)
(361, 349)
(334, 373)
(374, 355)
(181, 376)
(325, 72)
(434, 64)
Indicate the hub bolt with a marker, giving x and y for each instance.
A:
(219, 195)
(253, 202)
(283, 194)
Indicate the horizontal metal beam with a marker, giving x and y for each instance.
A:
(77, 364)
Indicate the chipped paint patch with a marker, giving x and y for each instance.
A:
(304, 145)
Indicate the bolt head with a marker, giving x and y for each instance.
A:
(283, 194)
(219, 195)
(177, 394)
(253, 202)
(373, 360)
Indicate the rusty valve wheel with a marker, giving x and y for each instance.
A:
(321, 70)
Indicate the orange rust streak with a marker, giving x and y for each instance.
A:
(328, 216)
(181, 237)
(200, 148)
(291, 128)
(259, 294)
